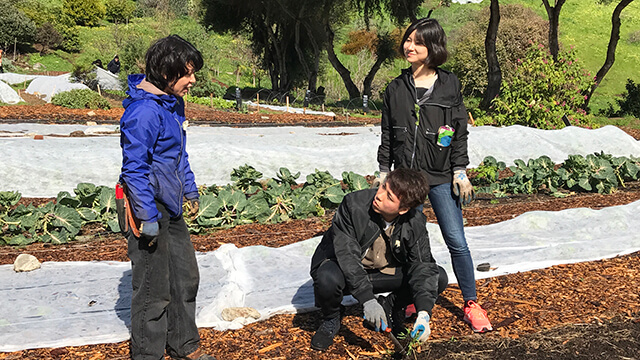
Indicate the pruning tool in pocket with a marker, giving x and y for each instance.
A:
(126, 219)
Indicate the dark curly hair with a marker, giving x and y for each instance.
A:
(169, 59)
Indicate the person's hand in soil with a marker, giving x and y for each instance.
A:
(421, 328)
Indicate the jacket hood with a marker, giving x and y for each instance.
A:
(139, 89)
(448, 93)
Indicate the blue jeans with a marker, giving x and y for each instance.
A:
(165, 281)
(449, 215)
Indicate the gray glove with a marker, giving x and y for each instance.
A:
(374, 314)
(462, 187)
(379, 180)
(193, 206)
(421, 328)
(150, 231)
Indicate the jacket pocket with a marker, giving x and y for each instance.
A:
(434, 157)
(398, 143)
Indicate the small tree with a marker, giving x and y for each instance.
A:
(48, 37)
(84, 12)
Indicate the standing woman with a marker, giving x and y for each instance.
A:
(424, 127)
(157, 176)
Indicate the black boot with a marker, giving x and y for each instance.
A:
(323, 338)
(395, 313)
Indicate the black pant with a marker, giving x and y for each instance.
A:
(165, 285)
(329, 286)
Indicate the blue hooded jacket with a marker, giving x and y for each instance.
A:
(155, 164)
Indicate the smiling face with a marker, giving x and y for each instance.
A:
(181, 86)
(387, 204)
(415, 51)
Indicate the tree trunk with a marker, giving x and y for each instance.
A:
(278, 56)
(611, 49)
(494, 75)
(313, 76)
(553, 12)
(368, 80)
(345, 74)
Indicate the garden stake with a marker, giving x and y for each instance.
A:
(399, 348)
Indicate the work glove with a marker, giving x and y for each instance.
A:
(375, 315)
(462, 187)
(193, 205)
(421, 328)
(149, 230)
(379, 180)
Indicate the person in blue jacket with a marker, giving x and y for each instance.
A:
(157, 177)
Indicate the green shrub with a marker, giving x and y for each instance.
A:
(119, 10)
(519, 26)
(84, 12)
(205, 86)
(543, 91)
(80, 99)
(630, 104)
(214, 102)
(15, 26)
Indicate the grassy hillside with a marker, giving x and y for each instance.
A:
(586, 26)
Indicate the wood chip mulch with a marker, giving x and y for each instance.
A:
(522, 306)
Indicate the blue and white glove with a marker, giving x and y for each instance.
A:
(462, 187)
(421, 328)
(374, 314)
(150, 231)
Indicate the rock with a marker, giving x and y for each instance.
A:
(92, 123)
(232, 313)
(483, 267)
(38, 66)
(26, 262)
(91, 113)
(77, 133)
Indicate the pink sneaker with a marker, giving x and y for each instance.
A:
(411, 309)
(476, 317)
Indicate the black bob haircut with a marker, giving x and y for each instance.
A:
(410, 186)
(430, 34)
(169, 59)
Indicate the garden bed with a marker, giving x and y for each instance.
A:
(583, 310)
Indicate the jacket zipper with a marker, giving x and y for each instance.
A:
(369, 243)
(417, 123)
(180, 156)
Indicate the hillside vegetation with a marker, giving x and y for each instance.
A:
(584, 27)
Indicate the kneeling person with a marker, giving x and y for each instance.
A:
(378, 243)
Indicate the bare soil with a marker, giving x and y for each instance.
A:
(587, 310)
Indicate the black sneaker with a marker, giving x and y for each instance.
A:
(323, 338)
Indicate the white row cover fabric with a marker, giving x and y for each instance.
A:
(47, 86)
(8, 95)
(79, 303)
(60, 163)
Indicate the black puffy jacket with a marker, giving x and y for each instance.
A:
(354, 229)
(405, 145)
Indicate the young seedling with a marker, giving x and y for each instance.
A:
(411, 348)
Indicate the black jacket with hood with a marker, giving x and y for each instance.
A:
(411, 143)
(354, 229)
